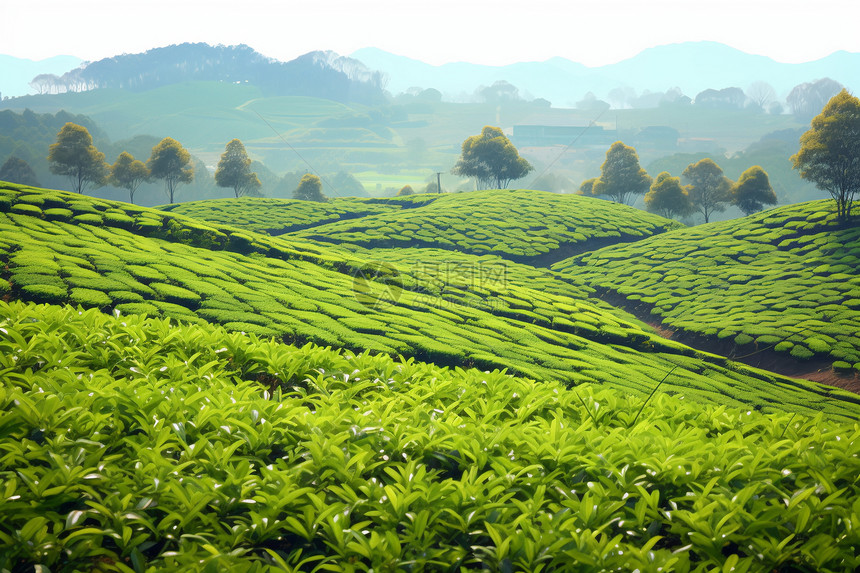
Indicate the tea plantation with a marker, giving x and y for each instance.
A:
(787, 279)
(136, 444)
(142, 261)
(184, 391)
(279, 216)
(520, 225)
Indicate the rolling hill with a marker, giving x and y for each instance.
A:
(62, 248)
(785, 279)
(217, 392)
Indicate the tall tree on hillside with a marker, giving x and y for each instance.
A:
(709, 189)
(621, 176)
(829, 153)
(128, 173)
(491, 159)
(667, 197)
(75, 156)
(310, 189)
(234, 171)
(406, 190)
(16, 170)
(172, 163)
(753, 191)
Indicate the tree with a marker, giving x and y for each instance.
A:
(753, 191)
(16, 170)
(310, 189)
(491, 159)
(807, 98)
(760, 94)
(586, 186)
(667, 197)
(829, 153)
(75, 156)
(128, 173)
(709, 189)
(621, 177)
(405, 190)
(171, 162)
(234, 171)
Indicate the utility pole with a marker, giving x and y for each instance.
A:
(438, 182)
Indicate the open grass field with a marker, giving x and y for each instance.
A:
(226, 386)
(785, 279)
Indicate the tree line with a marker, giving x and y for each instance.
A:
(829, 156)
(75, 156)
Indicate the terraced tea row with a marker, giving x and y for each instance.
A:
(520, 225)
(286, 290)
(279, 216)
(788, 278)
(135, 444)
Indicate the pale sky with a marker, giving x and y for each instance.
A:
(494, 32)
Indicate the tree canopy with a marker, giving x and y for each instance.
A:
(621, 176)
(709, 189)
(128, 173)
(16, 170)
(310, 189)
(667, 197)
(75, 156)
(234, 171)
(753, 191)
(829, 153)
(491, 159)
(172, 163)
(405, 190)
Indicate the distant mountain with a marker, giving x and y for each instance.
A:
(16, 73)
(690, 66)
(316, 74)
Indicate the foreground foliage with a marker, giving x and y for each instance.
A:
(132, 444)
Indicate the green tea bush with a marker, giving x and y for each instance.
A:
(58, 214)
(26, 209)
(175, 294)
(87, 219)
(171, 431)
(89, 298)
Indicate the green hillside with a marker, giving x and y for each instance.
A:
(133, 444)
(788, 278)
(521, 225)
(279, 216)
(61, 248)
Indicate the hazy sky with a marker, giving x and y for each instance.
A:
(493, 32)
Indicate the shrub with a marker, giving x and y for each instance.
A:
(44, 293)
(58, 214)
(801, 352)
(742, 339)
(137, 308)
(817, 345)
(87, 219)
(123, 296)
(175, 294)
(26, 209)
(4, 287)
(89, 297)
(841, 367)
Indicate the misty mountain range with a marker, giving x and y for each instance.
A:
(692, 67)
